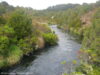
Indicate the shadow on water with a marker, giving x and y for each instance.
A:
(26, 60)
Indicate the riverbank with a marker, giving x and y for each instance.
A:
(25, 60)
(48, 61)
(87, 30)
(21, 35)
(48, 40)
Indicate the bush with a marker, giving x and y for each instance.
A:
(50, 39)
(39, 28)
(18, 37)
(21, 24)
(6, 36)
(13, 56)
(27, 45)
(2, 20)
(4, 42)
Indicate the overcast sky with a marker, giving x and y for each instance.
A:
(42, 4)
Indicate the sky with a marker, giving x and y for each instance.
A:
(43, 4)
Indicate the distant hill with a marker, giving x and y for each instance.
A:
(5, 7)
(61, 7)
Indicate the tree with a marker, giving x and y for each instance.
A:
(21, 24)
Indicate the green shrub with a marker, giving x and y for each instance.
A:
(2, 20)
(21, 23)
(27, 45)
(13, 56)
(50, 39)
(4, 43)
(6, 36)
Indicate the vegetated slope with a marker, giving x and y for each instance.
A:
(86, 19)
(21, 34)
(82, 21)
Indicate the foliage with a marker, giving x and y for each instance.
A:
(5, 39)
(82, 21)
(2, 20)
(21, 34)
(63, 62)
(39, 28)
(13, 56)
(28, 44)
(91, 48)
(20, 22)
(50, 39)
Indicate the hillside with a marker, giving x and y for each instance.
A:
(86, 19)
(61, 7)
(83, 22)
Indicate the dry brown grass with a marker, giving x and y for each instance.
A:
(87, 18)
(42, 27)
(41, 42)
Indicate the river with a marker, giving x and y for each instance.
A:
(51, 61)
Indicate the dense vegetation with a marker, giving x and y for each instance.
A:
(24, 30)
(21, 34)
(82, 21)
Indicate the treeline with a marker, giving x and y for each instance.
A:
(82, 21)
(21, 33)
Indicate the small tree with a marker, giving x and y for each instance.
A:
(21, 24)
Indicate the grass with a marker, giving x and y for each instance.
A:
(14, 56)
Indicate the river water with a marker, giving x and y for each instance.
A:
(51, 61)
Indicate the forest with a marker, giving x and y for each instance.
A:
(24, 30)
